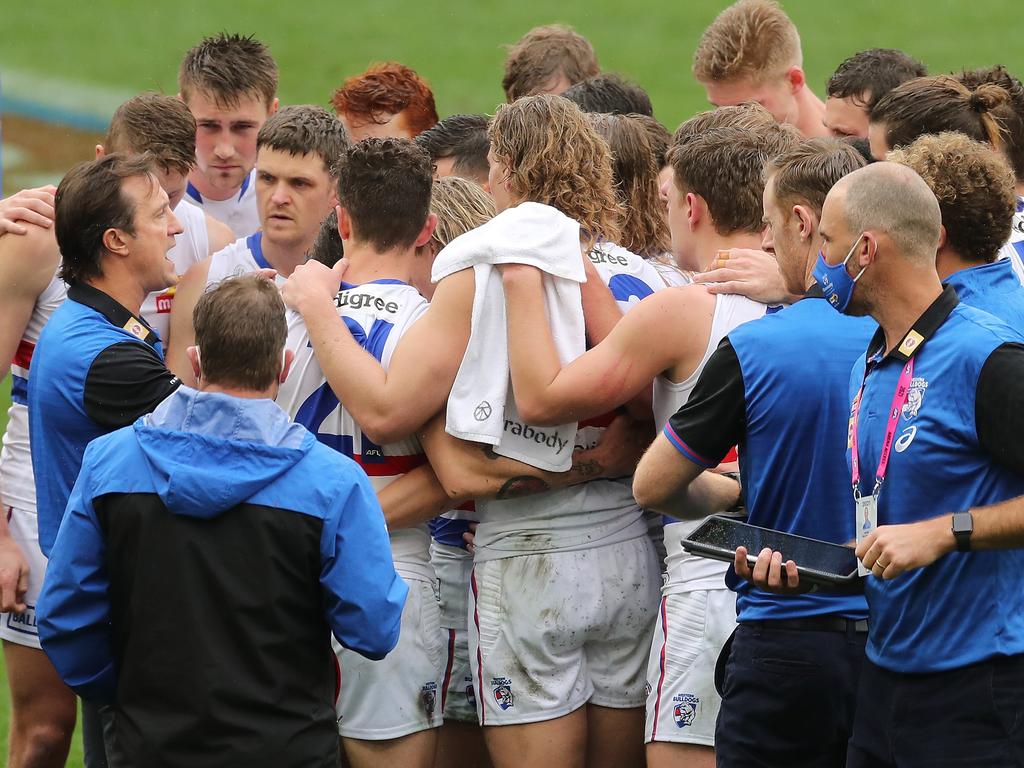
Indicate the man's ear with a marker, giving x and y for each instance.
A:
(867, 250)
(808, 222)
(344, 224)
(115, 242)
(696, 209)
(943, 237)
(193, 358)
(796, 79)
(428, 230)
(100, 151)
(287, 358)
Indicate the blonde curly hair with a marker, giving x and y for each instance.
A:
(460, 205)
(554, 156)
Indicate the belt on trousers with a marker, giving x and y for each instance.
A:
(812, 624)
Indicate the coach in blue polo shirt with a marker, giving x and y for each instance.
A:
(98, 366)
(937, 462)
(777, 388)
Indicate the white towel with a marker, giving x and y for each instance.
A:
(481, 406)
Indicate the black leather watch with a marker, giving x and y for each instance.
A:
(963, 527)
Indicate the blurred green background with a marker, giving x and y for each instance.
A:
(80, 60)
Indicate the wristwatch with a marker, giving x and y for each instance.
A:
(741, 500)
(963, 527)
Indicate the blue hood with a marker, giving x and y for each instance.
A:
(208, 452)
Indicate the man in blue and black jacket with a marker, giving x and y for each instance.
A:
(207, 553)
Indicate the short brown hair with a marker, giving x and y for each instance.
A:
(750, 40)
(384, 186)
(460, 205)
(725, 166)
(749, 116)
(159, 125)
(229, 68)
(554, 156)
(937, 104)
(868, 75)
(544, 52)
(807, 172)
(387, 89)
(1011, 116)
(462, 138)
(241, 331)
(974, 186)
(89, 201)
(644, 227)
(305, 129)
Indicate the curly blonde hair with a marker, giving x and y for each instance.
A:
(460, 205)
(635, 171)
(974, 186)
(554, 156)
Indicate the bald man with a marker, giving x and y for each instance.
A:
(943, 385)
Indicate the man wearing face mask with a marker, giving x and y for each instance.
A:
(777, 387)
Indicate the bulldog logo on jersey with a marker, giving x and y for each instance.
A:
(470, 692)
(502, 688)
(684, 709)
(429, 697)
(915, 396)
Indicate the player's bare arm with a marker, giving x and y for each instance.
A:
(181, 334)
(27, 264)
(666, 481)
(468, 470)
(388, 405)
(657, 335)
(414, 498)
(218, 234)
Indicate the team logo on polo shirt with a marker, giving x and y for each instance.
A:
(915, 397)
(502, 688)
(910, 342)
(684, 709)
(135, 327)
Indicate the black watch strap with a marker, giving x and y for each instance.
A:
(963, 527)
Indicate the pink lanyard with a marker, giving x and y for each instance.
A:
(899, 399)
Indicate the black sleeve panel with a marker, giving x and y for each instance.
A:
(714, 419)
(125, 381)
(999, 406)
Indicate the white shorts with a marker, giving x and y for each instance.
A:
(458, 695)
(682, 703)
(401, 693)
(552, 632)
(21, 628)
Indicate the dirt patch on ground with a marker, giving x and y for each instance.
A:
(37, 153)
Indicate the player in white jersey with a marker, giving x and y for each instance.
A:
(551, 727)
(297, 148)
(163, 125)
(388, 710)
(43, 708)
(229, 82)
(667, 337)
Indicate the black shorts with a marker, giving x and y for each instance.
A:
(787, 697)
(972, 716)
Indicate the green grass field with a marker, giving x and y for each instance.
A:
(90, 56)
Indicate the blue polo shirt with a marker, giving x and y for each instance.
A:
(777, 388)
(965, 607)
(97, 367)
(992, 288)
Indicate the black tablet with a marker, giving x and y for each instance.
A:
(818, 562)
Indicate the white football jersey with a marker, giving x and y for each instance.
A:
(17, 484)
(1013, 249)
(377, 314)
(630, 278)
(239, 211)
(241, 257)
